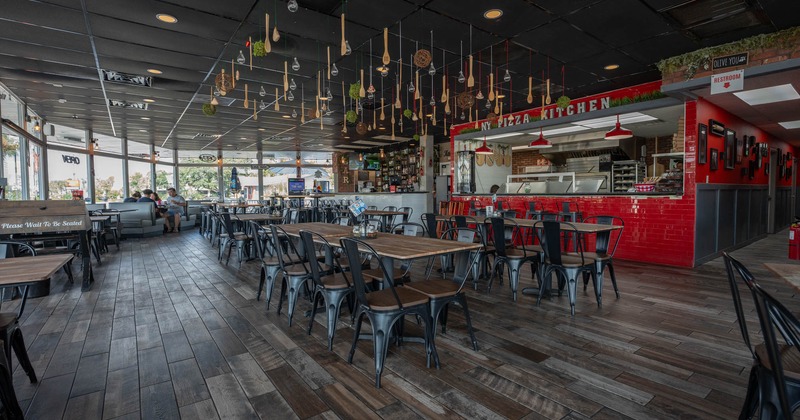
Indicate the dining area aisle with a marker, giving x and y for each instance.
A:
(167, 331)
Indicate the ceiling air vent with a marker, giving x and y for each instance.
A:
(127, 79)
(124, 104)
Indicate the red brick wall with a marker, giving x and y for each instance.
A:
(342, 170)
(523, 158)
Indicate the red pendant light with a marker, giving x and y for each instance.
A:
(484, 150)
(619, 133)
(541, 142)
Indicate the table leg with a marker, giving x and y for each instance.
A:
(88, 275)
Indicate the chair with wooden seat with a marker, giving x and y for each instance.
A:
(230, 237)
(443, 292)
(331, 288)
(385, 308)
(10, 333)
(295, 272)
(774, 384)
(604, 250)
(567, 267)
(510, 257)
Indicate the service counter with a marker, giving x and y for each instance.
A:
(420, 201)
(659, 228)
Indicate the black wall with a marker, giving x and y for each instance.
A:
(730, 216)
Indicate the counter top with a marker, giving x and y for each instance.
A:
(579, 194)
(381, 193)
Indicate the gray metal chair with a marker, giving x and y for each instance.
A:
(566, 267)
(295, 272)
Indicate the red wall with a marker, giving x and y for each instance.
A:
(706, 111)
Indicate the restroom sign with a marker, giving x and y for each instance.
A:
(727, 82)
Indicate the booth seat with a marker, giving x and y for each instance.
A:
(139, 223)
(95, 207)
(191, 216)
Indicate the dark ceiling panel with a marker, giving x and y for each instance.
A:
(561, 7)
(657, 48)
(47, 15)
(561, 41)
(518, 15)
(783, 14)
(108, 28)
(35, 36)
(619, 22)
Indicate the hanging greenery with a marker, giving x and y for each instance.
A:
(695, 59)
(351, 116)
(643, 97)
(563, 102)
(415, 137)
(354, 89)
(408, 113)
(209, 109)
(258, 49)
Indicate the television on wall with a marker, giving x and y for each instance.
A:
(372, 165)
(297, 185)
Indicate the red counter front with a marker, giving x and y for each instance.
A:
(658, 229)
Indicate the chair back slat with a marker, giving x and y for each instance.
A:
(353, 248)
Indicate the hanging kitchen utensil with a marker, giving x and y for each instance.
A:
(329, 62)
(393, 121)
(447, 103)
(491, 86)
(285, 76)
(416, 91)
(530, 90)
(246, 102)
(386, 59)
(547, 98)
(250, 44)
(277, 102)
(383, 114)
(267, 45)
(275, 35)
(344, 41)
(223, 83)
(471, 78)
(361, 92)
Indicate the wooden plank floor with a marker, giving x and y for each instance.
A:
(168, 332)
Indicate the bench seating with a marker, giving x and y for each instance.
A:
(139, 223)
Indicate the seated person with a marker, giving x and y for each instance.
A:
(133, 198)
(160, 210)
(146, 197)
(176, 205)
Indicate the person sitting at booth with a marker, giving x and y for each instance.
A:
(133, 198)
(176, 206)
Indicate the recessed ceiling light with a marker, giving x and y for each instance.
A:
(493, 13)
(500, 96)
(611, 67)
(286, 116)
(768, 95)
(148, 100)
(145, 118)
(166, 18)
(143, 131)
(381, 128)
(262, 129)
(154, 71)
(790, 125)
(58, 85)
(243, 138)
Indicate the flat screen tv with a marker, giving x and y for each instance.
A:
(372, 165)
(297, 185)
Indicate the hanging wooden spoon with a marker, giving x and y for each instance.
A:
(344, 41)
(285, 77)
(361, 92)
(444, 89)
(392, 121)
(447, 103)
(246, 102)
(302, 112)
(383, 114)
(547, 98)
(397, 102)
(316, 112)
(470, 79)
(497, 106)
(530, 90)
(491, 86)
(267, 45)
(275, 35)
(255, 114)
(416, 91)
(386, 58)
(277, 102)
(329, 62)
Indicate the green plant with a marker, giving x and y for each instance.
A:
(563, 102)
(354, 89)
(702, 57)
(642, 97)
(209, 109)
(351, 116)
(415, 137)
(258, 49)
(469, 130)
(408, 114)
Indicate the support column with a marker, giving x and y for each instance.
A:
(260, 175)
(23, 153)
(90, 165)
(126, 188)
(44, 177)
(153, 167)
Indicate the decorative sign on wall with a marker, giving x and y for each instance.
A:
(207, 158)
(729, 61)
(71, 159)
(727, 82)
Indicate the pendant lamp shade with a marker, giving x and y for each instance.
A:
(541, 142)
(618, 133)
(484, 150)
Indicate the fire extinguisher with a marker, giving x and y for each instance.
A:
(794, 241)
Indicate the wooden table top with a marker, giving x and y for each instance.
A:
(383, 213)
(100, 218)
(328, 231)
(256, 217)
(242, 205)
(22, 270)
(580, 227)
(790, 273)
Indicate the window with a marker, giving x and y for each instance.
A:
(67, 173)
(248, 180)
(68, 137)
(108, 181)
(12, 165)
(164, 179)
(197, 183)
(138, 176)
(108, 144)
(35, 171)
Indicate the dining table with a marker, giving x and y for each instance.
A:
(384, 215)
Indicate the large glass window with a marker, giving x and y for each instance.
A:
(34, 171)
(68, 137)
(138, 176)
(108, 144)
(67, 173)
(165, 155)
(108, 181)
(12, 165)
(197, 156)
(164, 179)
(198, 182)
(248, 180)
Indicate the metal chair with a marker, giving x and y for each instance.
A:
(270, 266)
(566, 267)
(603, 255)
(774, 383)
(407, 212)
(295, 272)
(443, 292)
(332, 288)
(513, 258)
(230, 238)
(384, 308)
